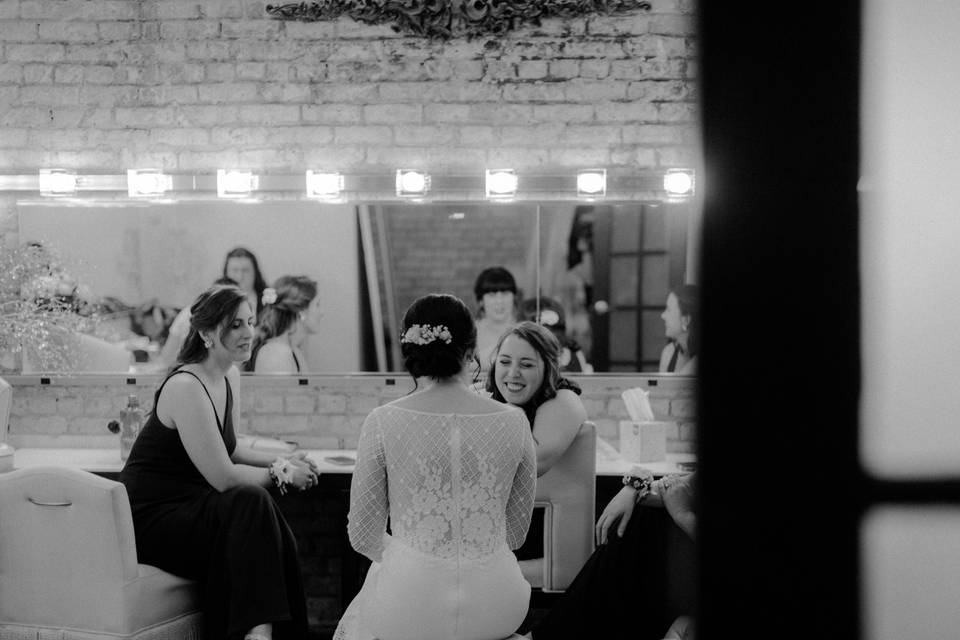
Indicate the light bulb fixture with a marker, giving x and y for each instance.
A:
(678, 182)
(236, 184)
(147, 183)
(327, 185)
(412, 183)
(57, 182)
(592, 183)
(501, 183)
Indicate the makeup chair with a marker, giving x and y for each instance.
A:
(567, 494)
(68, 564)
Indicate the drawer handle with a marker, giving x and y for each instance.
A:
(41, 503)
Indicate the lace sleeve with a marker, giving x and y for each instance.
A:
(520, 503)
(367, 520)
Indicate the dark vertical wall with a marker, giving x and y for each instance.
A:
(780, 305)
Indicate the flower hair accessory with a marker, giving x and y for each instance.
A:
(425, 334)
(269, 296)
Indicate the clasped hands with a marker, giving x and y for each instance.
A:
(305, 474)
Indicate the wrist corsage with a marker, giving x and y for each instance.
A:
(640, 483)
(281, 472)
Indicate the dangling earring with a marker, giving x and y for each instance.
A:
(207, 342)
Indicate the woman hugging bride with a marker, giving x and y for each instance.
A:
(455, 474)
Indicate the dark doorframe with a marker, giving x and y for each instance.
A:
(780, 487)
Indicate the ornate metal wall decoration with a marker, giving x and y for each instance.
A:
(443, 19)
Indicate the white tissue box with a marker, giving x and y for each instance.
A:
(643, 441)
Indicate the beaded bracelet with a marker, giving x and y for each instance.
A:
(281, 472)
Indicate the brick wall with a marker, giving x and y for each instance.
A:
(324, 413)
(199, 85)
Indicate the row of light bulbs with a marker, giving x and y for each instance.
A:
(501, 184)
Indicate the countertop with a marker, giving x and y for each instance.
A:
(609, 463)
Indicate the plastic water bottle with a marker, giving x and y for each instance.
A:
(130, 420)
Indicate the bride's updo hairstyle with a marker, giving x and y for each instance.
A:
(436, 336)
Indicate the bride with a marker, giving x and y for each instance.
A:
(455, 474)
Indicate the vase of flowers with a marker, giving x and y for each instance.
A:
(41, 310)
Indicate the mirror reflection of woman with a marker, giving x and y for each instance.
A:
(496, 292)
(680, 317)
(242, 267)
(291, 313)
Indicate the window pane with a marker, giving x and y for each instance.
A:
(654, 228)
(656, 280)
(653, 337)
(624, 276)
(626, 229)
(911, 582)
(909, 228)
(623, 336)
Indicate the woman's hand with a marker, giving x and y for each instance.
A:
(305, 474)
(301, 456)
(620, 508)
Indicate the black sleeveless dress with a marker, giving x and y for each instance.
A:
(235, 542)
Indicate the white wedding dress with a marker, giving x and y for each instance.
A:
(458, 490)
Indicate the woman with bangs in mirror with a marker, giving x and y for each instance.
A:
(497, 297)
(291, 313)
(242, 267)
(526, 374)
(681, 326)
(199, 499)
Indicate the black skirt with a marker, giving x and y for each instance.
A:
(238, 545)
(631, 588)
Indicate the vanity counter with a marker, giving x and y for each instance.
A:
(330, 461)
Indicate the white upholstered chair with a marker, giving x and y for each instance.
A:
(68, 564)
(568, 495)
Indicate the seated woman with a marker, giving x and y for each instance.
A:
(177, 335)
(626, 590)
(680, 319)
(291, 313)
(454, 473)
(200, 505)
(526, 374)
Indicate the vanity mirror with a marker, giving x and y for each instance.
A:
(607, 265)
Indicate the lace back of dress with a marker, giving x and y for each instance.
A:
(450, 478)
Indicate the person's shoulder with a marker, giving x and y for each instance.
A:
(275, 356)
(182, 383)
(567, 402)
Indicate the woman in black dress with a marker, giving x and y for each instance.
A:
(642, 576)
(200, 503)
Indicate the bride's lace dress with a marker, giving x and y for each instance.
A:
(458, 490)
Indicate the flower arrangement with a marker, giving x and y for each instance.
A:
(40, 305)
(425, 334)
